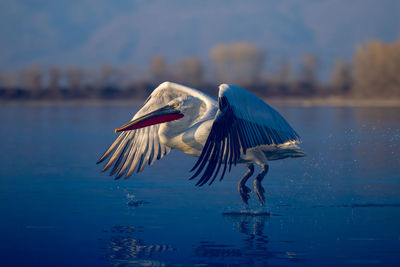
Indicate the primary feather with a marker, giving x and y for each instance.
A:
(243, 121)
(134, 149)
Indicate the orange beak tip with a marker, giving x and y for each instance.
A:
(116, 131)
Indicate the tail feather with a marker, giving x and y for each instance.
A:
(285, 151)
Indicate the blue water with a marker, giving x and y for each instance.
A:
(340, 205)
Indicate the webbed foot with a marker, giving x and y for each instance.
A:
(244, 193)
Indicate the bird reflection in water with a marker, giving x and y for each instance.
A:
(251, 250)
(125, 249)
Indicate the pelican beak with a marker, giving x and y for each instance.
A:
(164, 114)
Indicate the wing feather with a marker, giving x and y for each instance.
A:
(128, 157)
(243, 121)
(156, 148)
(150, 152)
(112, 147)
(117, 152)
(139, 150)
(133, 150)
(145, 151)
(121, 160)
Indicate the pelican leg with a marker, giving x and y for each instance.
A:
(243, 190)
(258, 188)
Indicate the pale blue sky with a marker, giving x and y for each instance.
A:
(88, 32)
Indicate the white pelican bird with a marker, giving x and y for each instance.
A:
(239, 128)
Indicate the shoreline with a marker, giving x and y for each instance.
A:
(335, 102)
(291, 101)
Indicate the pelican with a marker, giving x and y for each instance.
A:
(239, 128)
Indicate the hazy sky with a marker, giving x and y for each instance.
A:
(91, 32)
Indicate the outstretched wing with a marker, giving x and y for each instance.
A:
(132, 150)
(243, 121)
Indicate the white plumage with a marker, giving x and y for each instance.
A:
(239, 128)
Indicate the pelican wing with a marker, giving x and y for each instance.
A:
(243, 121)
(132, 150)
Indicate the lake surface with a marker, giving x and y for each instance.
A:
(340, 205)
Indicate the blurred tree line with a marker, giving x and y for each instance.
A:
(373, 72)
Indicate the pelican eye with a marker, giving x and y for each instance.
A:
(175, 104)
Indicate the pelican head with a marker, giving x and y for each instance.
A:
(178, 108)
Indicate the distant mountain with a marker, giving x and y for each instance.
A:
(89, 32)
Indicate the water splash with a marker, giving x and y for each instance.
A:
(133, 202)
